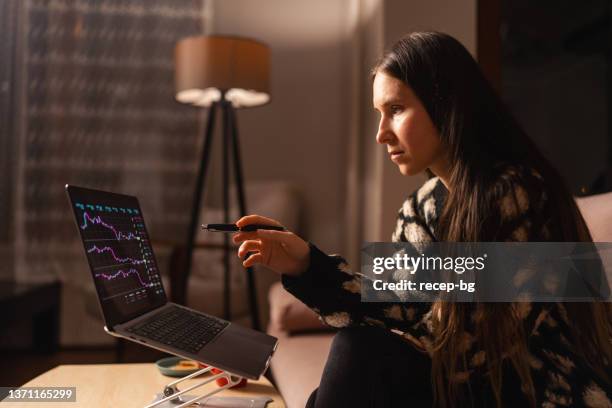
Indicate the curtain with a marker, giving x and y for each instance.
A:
(87, 98)
(9, 13)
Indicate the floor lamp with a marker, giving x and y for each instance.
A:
(222, 73)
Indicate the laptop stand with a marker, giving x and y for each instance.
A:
(172, 395)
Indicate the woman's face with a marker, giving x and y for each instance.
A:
(412, 140)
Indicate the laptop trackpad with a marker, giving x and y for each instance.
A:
(239, 350)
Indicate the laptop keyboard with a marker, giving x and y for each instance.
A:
(180, 328)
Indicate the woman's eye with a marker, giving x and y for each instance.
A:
(395, 109)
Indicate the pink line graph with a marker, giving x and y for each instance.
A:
(115, 257)
(97, 220)
(123, 274)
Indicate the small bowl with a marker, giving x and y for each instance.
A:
(168, 366)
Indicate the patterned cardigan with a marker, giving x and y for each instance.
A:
(332, 290)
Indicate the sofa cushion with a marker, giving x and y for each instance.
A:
(290, 315)
(597, 213)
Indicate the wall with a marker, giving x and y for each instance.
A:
(370, 159)
(301, 135)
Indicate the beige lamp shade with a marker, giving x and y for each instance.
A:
(207, 67)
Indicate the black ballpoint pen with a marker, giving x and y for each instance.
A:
(235, 228)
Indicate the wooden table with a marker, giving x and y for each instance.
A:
(128, 385)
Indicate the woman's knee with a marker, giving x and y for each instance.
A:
(375, 345)
(360, 339)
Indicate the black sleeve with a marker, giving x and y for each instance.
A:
(333, 291)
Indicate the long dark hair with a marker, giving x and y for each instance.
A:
(481, 135)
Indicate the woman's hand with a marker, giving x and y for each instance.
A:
(282, 251)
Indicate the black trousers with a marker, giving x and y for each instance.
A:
(373, 367)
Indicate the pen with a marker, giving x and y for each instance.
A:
(235, 228)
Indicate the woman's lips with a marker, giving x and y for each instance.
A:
(396, 155)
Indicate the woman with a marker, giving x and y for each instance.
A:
(490, 183)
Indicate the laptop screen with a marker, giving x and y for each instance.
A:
(119, 253)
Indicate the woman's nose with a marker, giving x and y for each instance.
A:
(384, 135)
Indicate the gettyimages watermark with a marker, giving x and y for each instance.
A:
(486, 272)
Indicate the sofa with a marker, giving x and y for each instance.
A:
(305, 342)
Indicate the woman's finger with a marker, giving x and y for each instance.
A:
(254, 258)
(249, 246)
(256, 219)
(279, 236)
(238, 237)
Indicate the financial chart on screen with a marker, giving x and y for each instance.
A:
(119, 252)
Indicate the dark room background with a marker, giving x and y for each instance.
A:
(556, 77)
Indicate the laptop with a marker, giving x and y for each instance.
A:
(132, 296)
